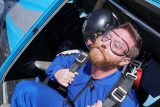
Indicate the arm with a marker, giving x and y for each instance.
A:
(59, 69)
(58, 63)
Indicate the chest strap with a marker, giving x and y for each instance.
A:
(89, 83)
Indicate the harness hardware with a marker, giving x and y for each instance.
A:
(82, 57)
(119, 94)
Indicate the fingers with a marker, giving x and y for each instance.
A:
(65, 84)
(92, 105)
(68, 80)
(70, 77)
(75, 73)
(97, 104)
(65, 77)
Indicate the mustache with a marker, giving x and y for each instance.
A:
(96, 46)
(101, 48)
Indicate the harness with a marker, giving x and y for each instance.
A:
(80, 60)
(120, 89)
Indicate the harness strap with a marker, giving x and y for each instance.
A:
(69, 102)
(119, 93)
(89, 83)
(80, 60)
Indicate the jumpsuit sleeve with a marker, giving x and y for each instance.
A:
(60, 62)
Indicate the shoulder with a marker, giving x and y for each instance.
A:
(66, 57)
(70, 52)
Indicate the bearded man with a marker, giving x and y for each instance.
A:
(111, 51)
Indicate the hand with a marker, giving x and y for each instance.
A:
(98, 104)
(65, 77)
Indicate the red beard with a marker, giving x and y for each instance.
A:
(101, 58)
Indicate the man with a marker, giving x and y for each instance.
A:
(110, 52)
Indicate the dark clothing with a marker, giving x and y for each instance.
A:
(151, 78)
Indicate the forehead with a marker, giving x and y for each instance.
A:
(125, 35)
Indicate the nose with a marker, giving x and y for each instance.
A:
(106, 43)
(90, 42)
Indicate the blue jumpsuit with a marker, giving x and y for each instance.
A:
(32, 94)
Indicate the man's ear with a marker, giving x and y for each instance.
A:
(125, 61)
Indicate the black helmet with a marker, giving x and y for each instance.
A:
(99, 21)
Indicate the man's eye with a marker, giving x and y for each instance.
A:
(107, 37)
(117, 45)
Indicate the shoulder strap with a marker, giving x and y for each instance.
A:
(121, 90)
(79, 61)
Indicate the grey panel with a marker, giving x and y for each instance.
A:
(23, 18)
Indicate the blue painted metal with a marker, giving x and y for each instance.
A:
(154, 2)
(38, 5)
(14, 33)
(48, 10)
(150, 100)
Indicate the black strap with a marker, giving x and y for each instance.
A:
(71, 103)
(119, 93)
(80, 60)
(89, 83)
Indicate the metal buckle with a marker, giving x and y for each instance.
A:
(136, 63)
(81, 57)
(119, 94)
(131, 74)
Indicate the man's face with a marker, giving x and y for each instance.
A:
(107, 52)
(91, 39)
